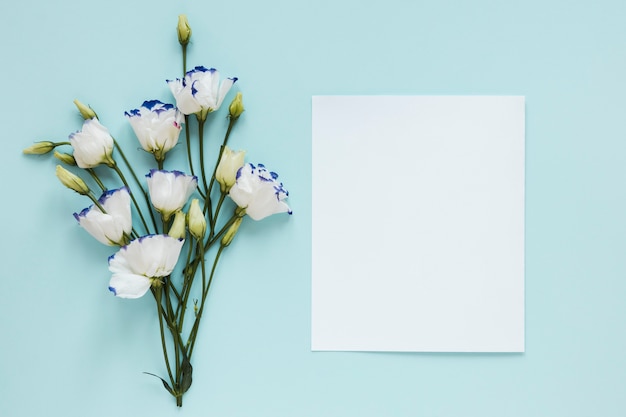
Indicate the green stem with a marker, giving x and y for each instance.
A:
(132, 172)
(121, 175)
(186, 271)
(231, 123)
(96, 178)
(173, 329)
(189, 157)
(96, 202)
(184, 59)
(201, 122)
(157, 295)
(191, 341)
(223, 230)
(190, 275)
(217, 212)
(188, 141)
(192, 265)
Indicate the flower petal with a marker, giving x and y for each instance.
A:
(125, 285)
(143, 260)
(258, 191)
(93, 145)
(170, 190)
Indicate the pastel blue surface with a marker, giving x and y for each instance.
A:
(70, 348)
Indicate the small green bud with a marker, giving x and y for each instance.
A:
(178, 226)
(65, 158)
(195, 220)
(184, 30)
(71, 181)
(85, 111)
(236, 106)
(232, 231)
(40, 148)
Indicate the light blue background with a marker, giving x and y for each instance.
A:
(69, 348)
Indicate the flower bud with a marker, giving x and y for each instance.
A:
(226, 172)
(40, 148)
(195, 220)
(236, 106)
(72, 181)
(65, 158)
(184, 30)
(232, 231)
(178, 226)
(85, 111)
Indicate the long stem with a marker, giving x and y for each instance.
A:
(190, 274)
(188, 141)
(192, 265)
(96, 202)
(96, 178)
(217, 212)
(187, 275)
(121, 175)
(201, 122)
(189, 157)
(157, 295)
(205, 291)
(231, 123)
(223, 230)
(184, 59)
(132, 172)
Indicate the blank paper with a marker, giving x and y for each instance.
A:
(418, 223)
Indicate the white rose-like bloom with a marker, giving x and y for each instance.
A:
(114, 226)
(157, 126)
(93, 145)
(200, 91)
(226, 172)
(141, 263)
(170, 190)
(257, 191)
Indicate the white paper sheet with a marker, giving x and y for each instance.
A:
(418, 223)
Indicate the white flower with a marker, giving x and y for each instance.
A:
(230, 162)
(141, 263)
(157, 126)
(114, 226)
(200, 91)
(93, 145)
(170, 190)
(257, 191)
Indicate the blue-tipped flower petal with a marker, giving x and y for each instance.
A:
(258, 191)
(200, 91)
(170, 190)
(157, 125)
(114, 225)
(143, 263)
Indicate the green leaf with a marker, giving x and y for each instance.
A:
(165, 384)
(186, 372)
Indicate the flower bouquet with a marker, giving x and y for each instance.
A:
(173, 215)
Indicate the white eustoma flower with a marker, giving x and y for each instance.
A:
(257, 191)
(200, 91)
(157, 126)
(170, 190)
(115, 225)
(226, 172)
(141, 263)
(93, 145)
